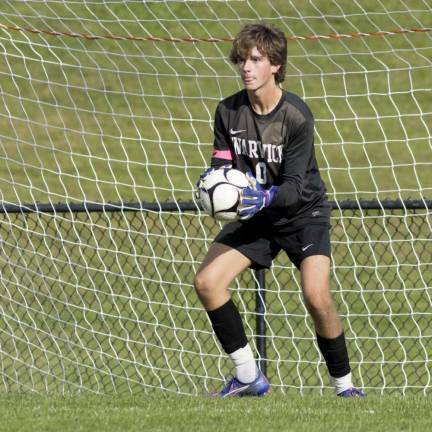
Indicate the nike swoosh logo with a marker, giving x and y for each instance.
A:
(307, 247)
(234, 132)
(237, 390)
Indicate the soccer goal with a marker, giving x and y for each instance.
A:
(105, 124)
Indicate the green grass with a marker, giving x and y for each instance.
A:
(178, 413)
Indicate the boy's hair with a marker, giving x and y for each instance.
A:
(269, 41)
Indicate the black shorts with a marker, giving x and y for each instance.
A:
(261, 243)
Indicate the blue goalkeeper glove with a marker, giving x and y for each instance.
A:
(203, 175)
(254, 198)
(206, 172)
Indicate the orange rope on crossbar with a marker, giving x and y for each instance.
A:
(171, 39)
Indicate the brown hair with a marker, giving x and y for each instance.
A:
(269, 41)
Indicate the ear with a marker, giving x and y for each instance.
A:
(275, 68)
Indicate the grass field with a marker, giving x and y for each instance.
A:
(104, 302)
(182, 414)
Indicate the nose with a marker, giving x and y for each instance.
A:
(245, 65)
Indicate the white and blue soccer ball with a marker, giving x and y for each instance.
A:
(219, 193)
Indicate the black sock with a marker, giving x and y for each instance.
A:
(335, 355)
(228, 326)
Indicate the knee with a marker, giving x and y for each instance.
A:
(319, 306)
(211, 291)
(203, 285)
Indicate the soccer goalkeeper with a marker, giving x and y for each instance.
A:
(268, 133)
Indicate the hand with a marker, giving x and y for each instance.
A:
(203, 175)
(206, 172)
(254, 198)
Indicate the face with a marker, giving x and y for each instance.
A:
(256, 71)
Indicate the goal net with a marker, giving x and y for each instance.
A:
(106, 105)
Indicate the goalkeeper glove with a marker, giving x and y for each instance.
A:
(203, 175)
(254, 198)
(206, 172)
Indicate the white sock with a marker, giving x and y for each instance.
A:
(246, 369)
(341, 384)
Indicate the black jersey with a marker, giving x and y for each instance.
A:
(278, 148)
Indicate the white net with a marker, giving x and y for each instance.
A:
(113, 102)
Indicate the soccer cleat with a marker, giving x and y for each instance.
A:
(352, 392)
(234, 387)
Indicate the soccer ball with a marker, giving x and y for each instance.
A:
(219, 193)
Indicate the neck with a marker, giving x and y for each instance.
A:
(264, 100)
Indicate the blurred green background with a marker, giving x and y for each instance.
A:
(104, 302)
(105, 120)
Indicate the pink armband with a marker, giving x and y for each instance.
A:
(223, 154)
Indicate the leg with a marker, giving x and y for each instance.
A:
(236, 247)
(315, 280)
(220, 267)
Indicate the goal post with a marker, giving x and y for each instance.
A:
(106, 115)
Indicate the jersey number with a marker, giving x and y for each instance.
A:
(261, 172)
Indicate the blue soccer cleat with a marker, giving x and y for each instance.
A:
(351, 392)
(234, 387)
